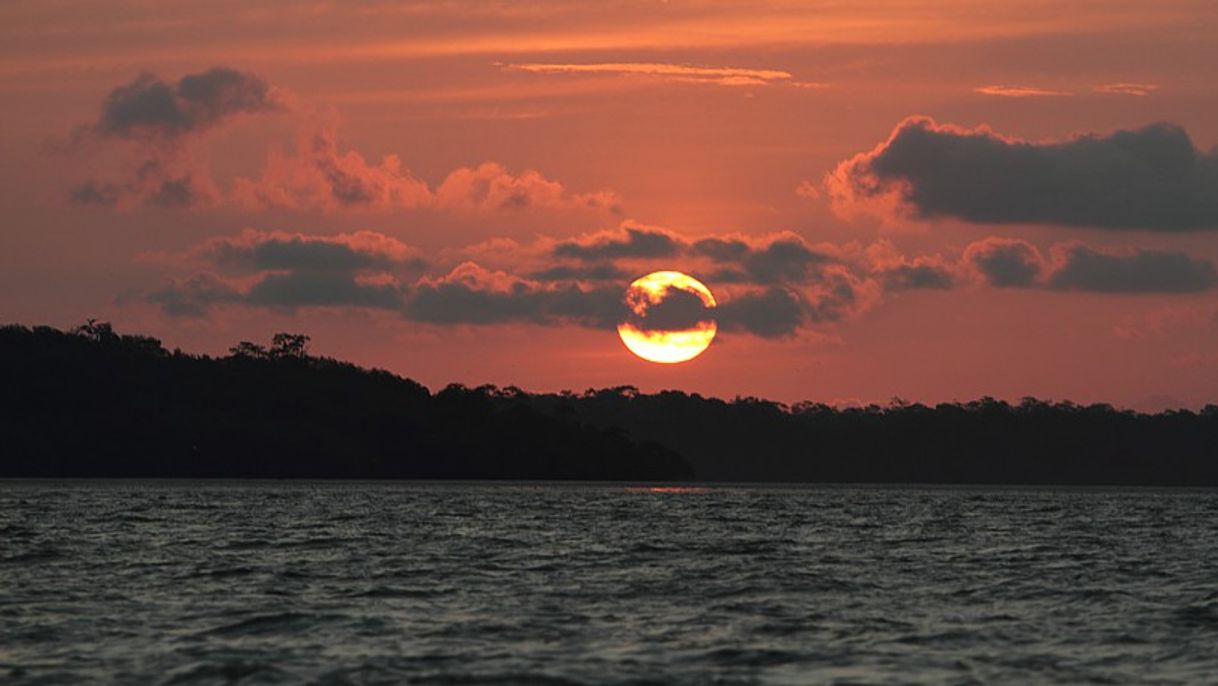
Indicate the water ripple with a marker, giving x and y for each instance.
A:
(371, 583)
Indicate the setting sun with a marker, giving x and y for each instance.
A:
(660, 341)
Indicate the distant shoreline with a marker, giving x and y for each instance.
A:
(92, 403)
(641, 486)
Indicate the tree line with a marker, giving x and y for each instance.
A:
(92, 402)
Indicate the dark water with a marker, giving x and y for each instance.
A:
(212, 582)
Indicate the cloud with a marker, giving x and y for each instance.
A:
(807, 189)
(163, 121)
(1134, 89)
(166, 183)
(839, 294)
(898, 272)
(322, 177)
(149, 107)
(783, 258)
(1008, 263)
(470, 294)
(288, 290)
(678, 310)
(921, 274)
(722, 76)
(780, 286)
(1151, 178)
(473, 295)
(630, 242)
(1005, 263)
(1082, 268)
(491, 187)
(95, 193)
(287, 271)
(194, 296)
(321, 289)
(774, 312)
(344, 252)
(177, 192)
(156, 120)
(1021, 92)
(371, 270)
(769, 259)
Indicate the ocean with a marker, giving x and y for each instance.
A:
(213, 582)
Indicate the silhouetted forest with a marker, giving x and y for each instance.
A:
(92, 402)
(986, 441)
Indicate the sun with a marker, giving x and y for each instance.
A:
(669, 317)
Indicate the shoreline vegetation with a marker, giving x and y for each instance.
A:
(91, 402)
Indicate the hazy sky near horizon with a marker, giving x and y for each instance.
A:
(934, 200)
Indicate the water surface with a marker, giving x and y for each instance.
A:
(352, 582)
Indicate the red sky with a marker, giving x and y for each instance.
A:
(931, 200)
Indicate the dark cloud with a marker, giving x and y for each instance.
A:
(293, 271)
(1149, 178)
(351, 185)
(321, 289)
(151, 108)
(678, 310)
(194, 296)
(721, 249)
(1005, 263)
(771, 313)
(1078, 267)
(631, 243)
(296, 270)
(916, 275)
(178, 193)
(774, 312)
(467, 301)
(836, 297)
(782, 259)
(362, 250)
(153, 185)
(785, 259)
(1142, 271)
(369, 269)
(95, 193)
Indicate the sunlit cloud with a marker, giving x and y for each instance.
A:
(321, 176)
(1135, 89)
(722, 76)
(1021, 92)
(161, 123)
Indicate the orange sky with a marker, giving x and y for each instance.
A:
(932, 200)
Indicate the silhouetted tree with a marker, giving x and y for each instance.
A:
(248, 349)
(289, 345)
(96, 331)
